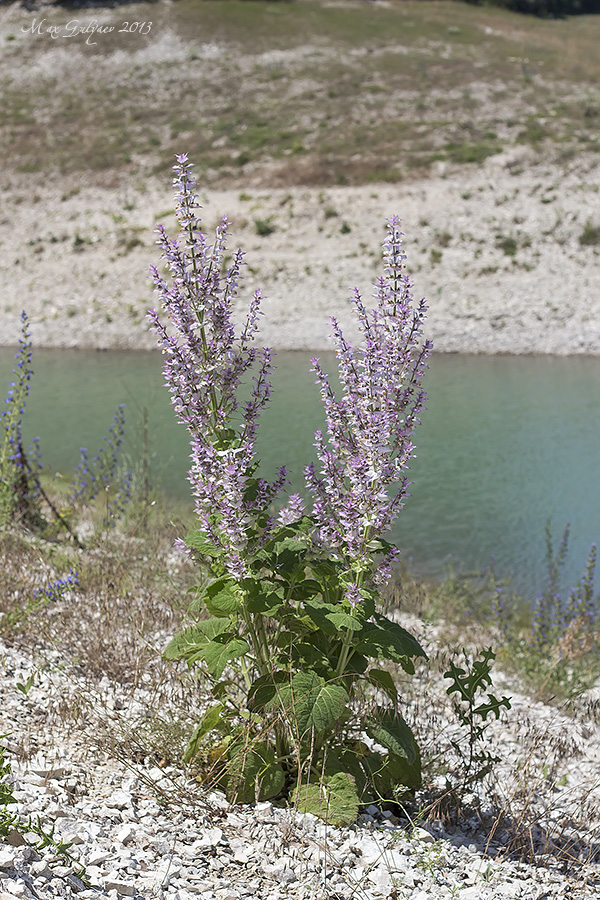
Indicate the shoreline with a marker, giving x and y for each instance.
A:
(497, 251)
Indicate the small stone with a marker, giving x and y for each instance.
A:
(210, 838)
(113, 883)
(471, 893)
(98, 855)
(126, 834)
(41, 869)
(118, 800)
(381, 878)
(425, 837)
(15, 838)
(7, 858)
(75, 882)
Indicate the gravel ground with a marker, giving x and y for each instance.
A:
(143, 831)
(496, 250)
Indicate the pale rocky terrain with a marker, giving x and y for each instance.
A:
(145, 830)
(76, 257)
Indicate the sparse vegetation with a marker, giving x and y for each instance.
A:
(590, 236)
(93, 125)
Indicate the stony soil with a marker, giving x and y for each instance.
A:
(143, 830)
(496, 252)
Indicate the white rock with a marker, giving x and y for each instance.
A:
(119, 799)
(210, 838)
(425, 837)
(471, 893)
(126, 834)
(7, 858)
(381, 878)
(41, 869)
(115, 883)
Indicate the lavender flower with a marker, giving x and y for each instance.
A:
(205, 365)
(369, 427)
(56, 589)
(101, 473)
(19, 481)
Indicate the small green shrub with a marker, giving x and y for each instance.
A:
(264, 227)
(590, 236)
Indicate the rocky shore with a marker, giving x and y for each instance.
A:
(507, 255)
(142, 830)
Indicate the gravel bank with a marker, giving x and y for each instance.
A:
(143, 831)
(497, 251)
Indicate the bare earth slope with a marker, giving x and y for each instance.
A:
(496, 251)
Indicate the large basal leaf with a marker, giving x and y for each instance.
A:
(265, 689)
(391, 731)
(401, 772)
(218, 653)
(311, 703)
(385, 639)
(254, 773)
(191, 641)
(335, 800)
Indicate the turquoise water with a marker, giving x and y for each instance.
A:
(505, 443)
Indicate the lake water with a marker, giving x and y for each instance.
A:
(505, 443)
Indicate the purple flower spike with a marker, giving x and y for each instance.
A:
(205, 365)
(368, 444)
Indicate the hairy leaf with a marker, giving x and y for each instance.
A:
(254, 773)
(331, 618)
(222, 650)
(335, 800)
(383, 681)
(191, 641)
(391, 731)
(208, 722)
(197, 540)
(385, 639)
(311, 703)
(222, 597)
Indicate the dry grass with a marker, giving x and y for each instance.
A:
(299, 93)
(109, 633)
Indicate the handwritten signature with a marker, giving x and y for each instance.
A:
(75, 27)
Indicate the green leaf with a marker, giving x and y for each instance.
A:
(209, 721)
(188, 643)
(401, 772)
(223, 598)
(265, 689)
(383, 681)
(335, 800)
(311, 703)
(385, 639)
(391, 731)
(263, 597)
(254, 773)
(218, 653)
(197, 540)
(331, 618)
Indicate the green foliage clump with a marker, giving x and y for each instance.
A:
(590, 236)
(285, 623)
(547, 9)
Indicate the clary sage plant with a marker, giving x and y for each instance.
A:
(285, 620)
